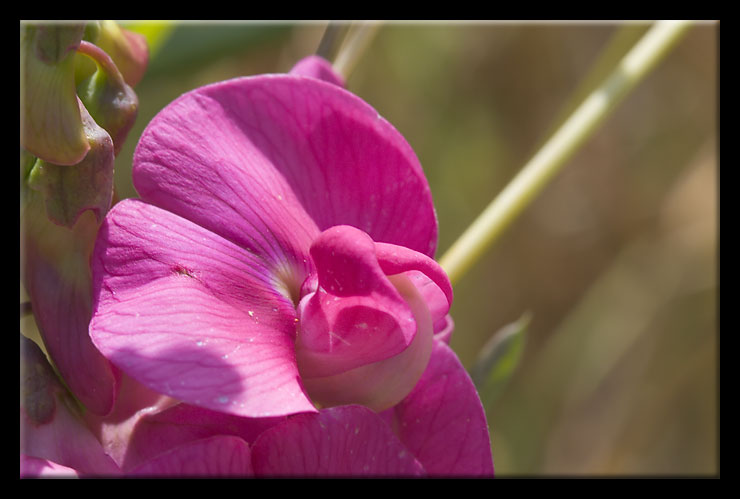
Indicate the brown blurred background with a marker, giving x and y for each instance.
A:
(617, 260)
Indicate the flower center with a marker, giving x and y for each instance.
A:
(365, 330)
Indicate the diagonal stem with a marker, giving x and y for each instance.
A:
(354, 45)
(534, 176)
(332, 39)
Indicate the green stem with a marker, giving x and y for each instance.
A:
(534, 176)
(332, 40)
(354, 45)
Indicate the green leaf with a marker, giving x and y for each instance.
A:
(499, 359)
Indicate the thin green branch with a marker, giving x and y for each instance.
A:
(535, 175)
(355, 43)
(332, 39)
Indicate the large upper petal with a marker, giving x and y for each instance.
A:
(193, 316)
(270, 161)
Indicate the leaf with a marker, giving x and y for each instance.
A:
(499, 359)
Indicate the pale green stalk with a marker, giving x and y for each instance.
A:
(332, 39)
(584, 121)
(354, 45)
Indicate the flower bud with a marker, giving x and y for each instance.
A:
(51, 127)
(128, 50)
(109, 100)
(69, 190)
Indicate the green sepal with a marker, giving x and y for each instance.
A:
(51, 126)
(68, 191)
(499, 359)
(107, 97)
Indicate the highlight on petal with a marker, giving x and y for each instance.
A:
(221, 456)
(193, 316)
(336, 442)
(34, 467)
(268, 162)
(317, 67)
(443, 422)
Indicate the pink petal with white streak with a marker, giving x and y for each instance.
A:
(34, 467)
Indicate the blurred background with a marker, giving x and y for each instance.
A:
(617, 261)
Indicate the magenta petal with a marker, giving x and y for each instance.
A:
(382, 384)
(443, 329)
(66, 441)
(342, 441)
(356, 316)
(443, 422)
(134, 402)
(269, 161)
(318, 67)
(34, 467)
(190, 315)
(219, 456)
(160, 432)
(437, 303)
(395, 259)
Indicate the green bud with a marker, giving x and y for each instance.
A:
(109, 100)
(128, 50)
(68, 191)
(51, 127)
(92, 31)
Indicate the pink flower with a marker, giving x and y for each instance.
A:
(281, 256)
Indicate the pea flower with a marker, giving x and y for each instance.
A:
(279, 264)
